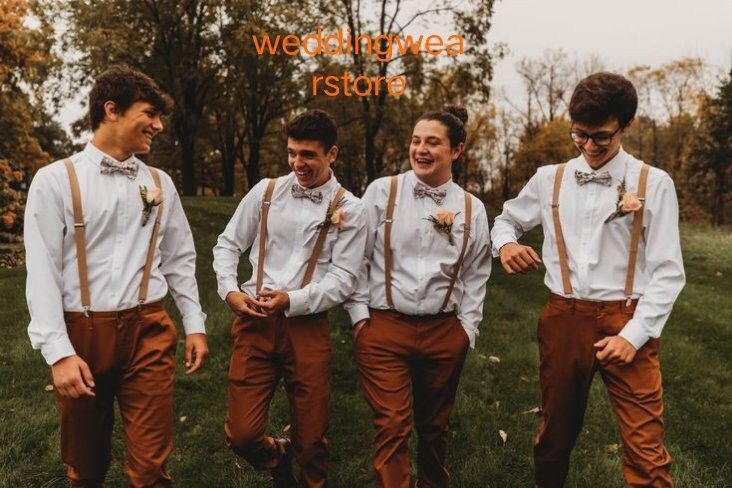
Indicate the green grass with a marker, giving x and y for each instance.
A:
(697, 347)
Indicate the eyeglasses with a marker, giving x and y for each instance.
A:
(601, 139)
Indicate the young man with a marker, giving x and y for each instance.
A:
(613, 267)
(420, 300)
(307, 238)
(97, 273)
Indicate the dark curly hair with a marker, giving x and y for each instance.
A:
(124, 86)
(454, 118)
(603, 96)
(314, 125)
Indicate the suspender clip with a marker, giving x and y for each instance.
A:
(555, 205)
(86, 310)
(628, 301)
(388, 221)
(80, 224)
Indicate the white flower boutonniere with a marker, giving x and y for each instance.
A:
(627, 203)
(442, 221)
(150, 198)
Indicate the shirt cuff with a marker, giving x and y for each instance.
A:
(194, 323)
(299, 303)
(499, 242)
(226, 287)
(358, 312)
(57, 350)
(634, 333)
(472, 334)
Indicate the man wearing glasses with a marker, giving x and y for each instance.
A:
(613, 268)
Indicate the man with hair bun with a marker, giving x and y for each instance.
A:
(614, 269)
(106, 238)
(307, 237)
(420, 300)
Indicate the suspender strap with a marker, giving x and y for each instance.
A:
(394, 183)
(636, 232)
(320, 241)
(142, 295)
(561, 246)
(263, 231)
(466, 238)
(79, 236)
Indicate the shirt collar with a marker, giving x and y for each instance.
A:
(413, 180)
(95, 155)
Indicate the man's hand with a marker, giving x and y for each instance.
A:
(614, 350)
(516, 258)
(196, 352)
(72, 377)
(242, 304)
(273, 302)
(357, 328)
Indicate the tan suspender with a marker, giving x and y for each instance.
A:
(318, 248)
(388, 256)
(142, 295)
(80, 238)
(466, 238)
(266, 203)
(561, 246)
(636, 232)
(634, 236)
(388, 221)
(319, 242)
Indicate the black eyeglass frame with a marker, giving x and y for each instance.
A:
(587, 137)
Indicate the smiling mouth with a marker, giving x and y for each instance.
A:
(149, 136)
(303, 173)
(425, 161)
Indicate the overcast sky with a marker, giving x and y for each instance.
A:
(623, 33)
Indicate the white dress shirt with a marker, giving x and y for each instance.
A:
(116, 249)
(422, 257)
(597, 252)
(292, 229)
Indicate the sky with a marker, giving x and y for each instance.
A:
(623, 33)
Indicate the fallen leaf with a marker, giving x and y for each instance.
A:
(524, 379)
(287, 428)
(182, 419)
(494, 359)
(718, 274)
(503, 435)
(48, 388)
(611, 448)
(481, 356)
(536, 410)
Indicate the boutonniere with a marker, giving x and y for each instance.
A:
(627, 203)
(443, 220)
(335, 216)
(150, 198)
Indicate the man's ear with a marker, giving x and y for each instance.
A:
(332, 154)
(627, 126)
(110, 110)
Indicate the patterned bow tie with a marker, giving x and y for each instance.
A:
(421, 191)
(315, 196)
(604, 178)
(129, 169)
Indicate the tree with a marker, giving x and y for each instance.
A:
(471, 72)
(712, 157)
(174, 42)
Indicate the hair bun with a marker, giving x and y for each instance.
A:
(458, 111)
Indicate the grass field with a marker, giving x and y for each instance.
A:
(696, 354)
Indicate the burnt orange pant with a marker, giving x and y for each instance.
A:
(410, 364)
(131, 354)
(298, 349)
(567, 331)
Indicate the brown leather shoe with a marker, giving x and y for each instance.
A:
(282, 475)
